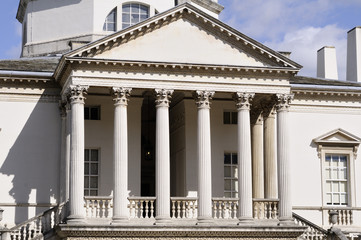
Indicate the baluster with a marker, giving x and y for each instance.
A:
(255, 210)
(275, 211)
(130, 208)
(234, 209)
(146, 209)
(178, 210)
(173, 209)
(152, 208)
(188, 212)
(141, 208)
(195, 209)
(351, 217)
(136, 208)
(215, 209)
(183, 209)
(269, 210)
(219, 203)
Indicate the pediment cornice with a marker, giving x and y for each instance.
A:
(192, 14)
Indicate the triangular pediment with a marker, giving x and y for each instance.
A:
(338, 136)
(184, 34)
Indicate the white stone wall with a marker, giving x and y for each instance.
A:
(308, 123)
(99, 135)
(29, 158)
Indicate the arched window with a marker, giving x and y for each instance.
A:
(110, 23)
(133, 13)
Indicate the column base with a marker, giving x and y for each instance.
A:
(120, 220)
(162, 220)
(76, 219)
(286, 221)
(245, 220)
(205, 220)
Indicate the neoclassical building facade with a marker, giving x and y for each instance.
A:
(156, 120)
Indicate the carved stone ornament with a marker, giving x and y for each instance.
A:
(203, 98)
(243, 100)
(77, 93)
(162, 97)
(121, 95)
(283, 101)
(63, 108)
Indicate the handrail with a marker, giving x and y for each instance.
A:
(309, 223)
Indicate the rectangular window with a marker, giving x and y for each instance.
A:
(92, 113)
(91, 172)
(230, 175)
(230, 117)
(336, 179)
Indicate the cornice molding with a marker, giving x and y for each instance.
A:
(332, 93)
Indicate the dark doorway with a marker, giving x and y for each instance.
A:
(148, 145)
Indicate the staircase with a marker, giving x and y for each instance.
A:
(37, 227)
(313, 232)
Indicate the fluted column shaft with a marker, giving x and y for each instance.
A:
(162, 155)
(257, 158)
(65, 151)
(204, 156)
(245, 205)
(270, 160)
(76, 201)
(284, 161)
(120, 151)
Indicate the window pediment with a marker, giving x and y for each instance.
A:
(338, 138)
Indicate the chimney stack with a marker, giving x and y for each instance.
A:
(353, 72)
(327, 63)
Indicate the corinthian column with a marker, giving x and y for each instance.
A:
(162, 155)
(257, 156)
(270, 160)
(120, 148)
(204, 156)
(245, 205)
(284, 161)
(76, 201)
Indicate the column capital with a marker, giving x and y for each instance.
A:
(121, 95)
(203, 98)
(163, 97)
(283, 101)
(77, 93)
(243, 100)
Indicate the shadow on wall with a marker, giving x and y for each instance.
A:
(33, 160)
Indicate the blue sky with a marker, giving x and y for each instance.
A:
(299, 26)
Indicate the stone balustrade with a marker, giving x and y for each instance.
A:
(265, 209)
(313, 232)
(141, 207)
(225, 208)
(98, 206)
(184, 207)
(39, 225)
(345, 216)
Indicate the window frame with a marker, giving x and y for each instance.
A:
(233, 117)
(339, 142)
(92, 107)
(90, 175)
(233, 192)
(119, 14)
